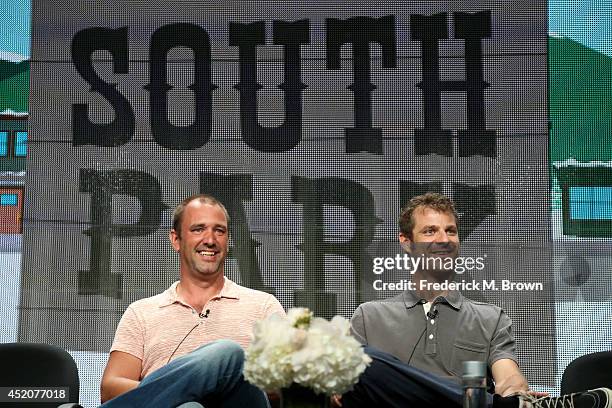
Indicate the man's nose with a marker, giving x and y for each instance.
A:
(442, 236)
(209, 237)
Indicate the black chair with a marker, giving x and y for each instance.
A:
(38, 365)
(588, 372)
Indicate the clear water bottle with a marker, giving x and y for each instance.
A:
(474, 384)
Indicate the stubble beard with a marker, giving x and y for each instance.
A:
(209, 268)
(203, 268)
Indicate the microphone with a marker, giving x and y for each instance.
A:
(432, 315)
(205, 315)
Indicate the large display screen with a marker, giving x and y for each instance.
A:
(313, 122)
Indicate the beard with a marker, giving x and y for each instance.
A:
(438, 258)
(201, 266)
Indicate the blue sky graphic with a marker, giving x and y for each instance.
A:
(586, 21)
(15, 28)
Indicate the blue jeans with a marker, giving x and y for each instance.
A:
(388, 382)
(210, 375)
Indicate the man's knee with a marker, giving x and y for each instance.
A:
(377, 371)
(380, 355)
(225, 353)
(227, 348)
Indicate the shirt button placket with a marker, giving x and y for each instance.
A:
(432, 337)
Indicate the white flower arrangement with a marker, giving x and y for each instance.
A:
(306, 350)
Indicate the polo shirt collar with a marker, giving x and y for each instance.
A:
(454, 298)
(411, 299)
(229, 290)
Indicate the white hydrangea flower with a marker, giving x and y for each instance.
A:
(268, 358)
(307, 350)
(299, 317)
(331, 360)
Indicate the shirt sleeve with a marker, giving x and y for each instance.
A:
(358, 326)
(129, 336)
(272, 306)
(502, 342)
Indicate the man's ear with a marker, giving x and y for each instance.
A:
(405, 242)
(174, 239)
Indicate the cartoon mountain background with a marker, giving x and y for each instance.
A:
(14, 86)
(580, 102)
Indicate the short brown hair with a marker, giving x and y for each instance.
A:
(177, 214)
(435, 201)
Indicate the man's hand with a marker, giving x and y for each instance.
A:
(536, 394)
(508, 378)
(121, 375)
(336, 400)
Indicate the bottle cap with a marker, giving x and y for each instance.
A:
(474, 369)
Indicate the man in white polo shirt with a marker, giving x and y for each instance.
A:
(186, 344)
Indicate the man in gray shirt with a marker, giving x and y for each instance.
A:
(419, 339)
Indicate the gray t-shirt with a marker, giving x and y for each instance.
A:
(461, 330)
